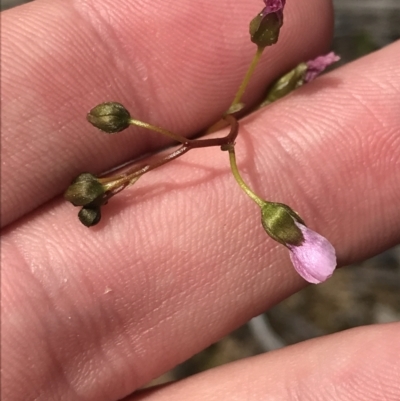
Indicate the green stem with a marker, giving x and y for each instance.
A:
(239, 179)
(227, 140)
(119, 182)
(247, 77)
(160, 130)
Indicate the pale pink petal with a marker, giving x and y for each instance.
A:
(315, 258)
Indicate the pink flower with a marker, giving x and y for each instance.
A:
(274, 6)
(314, 258)
(316, 66)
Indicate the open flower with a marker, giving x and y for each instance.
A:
(315, 258)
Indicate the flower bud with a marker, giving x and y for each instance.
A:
(90, 215)
(110, 117)
(265, 27)
(278, 221)
(286, 84)
(84, 189)
(300, 75)
(312, 255)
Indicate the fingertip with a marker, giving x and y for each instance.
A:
(358, 364)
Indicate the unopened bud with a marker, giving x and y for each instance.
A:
(90, 215)
(110, 117)
(84, 189)
(286, 84)
(264, 31)
(300, 75)
(265, 28)
(279, 220)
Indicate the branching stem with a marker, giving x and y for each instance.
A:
(118, 183)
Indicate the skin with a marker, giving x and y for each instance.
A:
(180, 259)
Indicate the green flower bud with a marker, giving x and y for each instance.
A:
(110, 117)
(300, 75)
(84, 190)
(279, 220)
(90, 215)
(286, 84)
(264, 29)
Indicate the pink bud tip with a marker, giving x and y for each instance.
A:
(315, 258)
(273, 6)
(316, 66)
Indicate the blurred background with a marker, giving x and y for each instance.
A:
(360, 294)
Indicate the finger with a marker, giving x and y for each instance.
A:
(176, 64)
(181, 259)
(360, 364)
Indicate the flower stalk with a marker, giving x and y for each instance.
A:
(242, 88)
(92, 192)
(236, 174)
(162, 131)
(312, 255)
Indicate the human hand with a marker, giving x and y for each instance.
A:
(181, 259)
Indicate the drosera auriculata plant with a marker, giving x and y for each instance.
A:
(312, 255)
